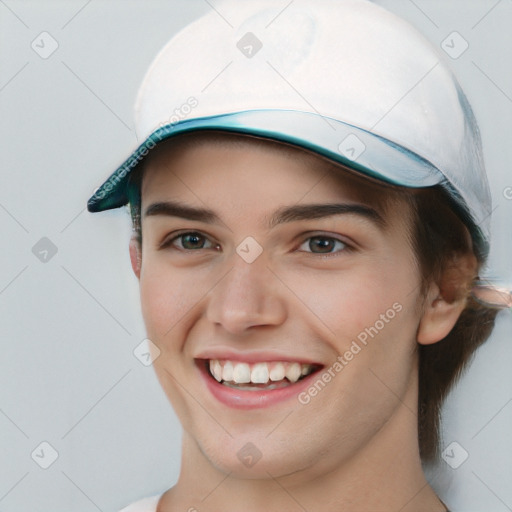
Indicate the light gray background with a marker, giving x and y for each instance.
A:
(69, 325)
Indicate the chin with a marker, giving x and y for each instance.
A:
(250, 457)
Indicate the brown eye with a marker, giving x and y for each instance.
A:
(192, 241)
(189, 241)
(322, 244)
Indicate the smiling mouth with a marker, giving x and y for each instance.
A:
(258, 376)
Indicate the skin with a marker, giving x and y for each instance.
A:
(355, 443)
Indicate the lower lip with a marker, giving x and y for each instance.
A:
(240, 399)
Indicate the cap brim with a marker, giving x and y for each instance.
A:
(354, 147)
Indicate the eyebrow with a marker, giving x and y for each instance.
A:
(280, 216)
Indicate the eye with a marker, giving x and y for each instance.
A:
(189, 241)
(322, 244)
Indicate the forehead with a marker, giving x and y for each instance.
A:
(210, 159)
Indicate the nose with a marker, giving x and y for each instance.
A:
(249, 295)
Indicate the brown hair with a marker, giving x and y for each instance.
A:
(437, 236)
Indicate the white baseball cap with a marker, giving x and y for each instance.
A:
(345, 79)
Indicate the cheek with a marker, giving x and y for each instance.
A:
(166, 298)
(371, 312)
(351, 301)
(383, 319)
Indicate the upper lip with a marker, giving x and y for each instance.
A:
(253, 356)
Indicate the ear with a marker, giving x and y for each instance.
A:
(445, 300)
(135, 256)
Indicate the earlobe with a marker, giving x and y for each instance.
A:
(439, 317)
(135, 256)
(445, 302)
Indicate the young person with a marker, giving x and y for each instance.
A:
(311, 215)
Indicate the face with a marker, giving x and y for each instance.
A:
(283, 298)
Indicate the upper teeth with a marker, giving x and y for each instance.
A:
(258, 373)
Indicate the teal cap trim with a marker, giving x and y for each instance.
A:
(360, 150)
(354, 147)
